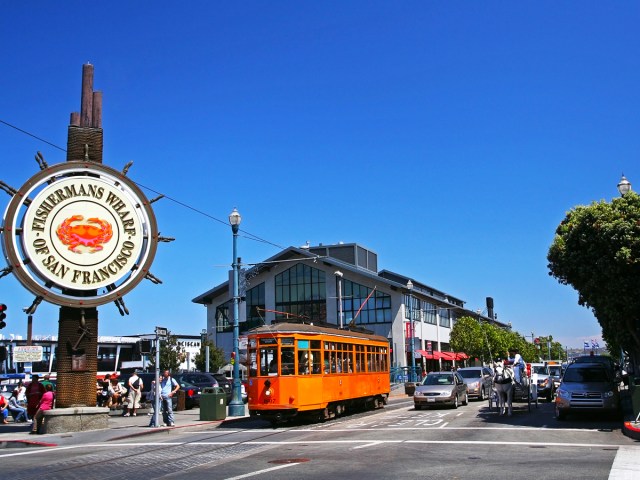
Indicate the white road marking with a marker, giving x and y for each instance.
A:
(625, 465)
(260, 472)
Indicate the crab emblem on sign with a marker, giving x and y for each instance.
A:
(92, 234)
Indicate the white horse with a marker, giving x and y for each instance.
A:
(503, 381)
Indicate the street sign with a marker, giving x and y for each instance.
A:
(25, 353)
(161, 332)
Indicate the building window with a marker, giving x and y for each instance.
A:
(445, 321)
(254, 301)
(301, 291)
(430, 313)
(376, 310)
(223, 322)
(414, 307)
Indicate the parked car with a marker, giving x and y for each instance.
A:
(478, 380)
(441, 388)
(191, 394)
(587, 387)
(200, 379)
(226, 383)
(544, 382)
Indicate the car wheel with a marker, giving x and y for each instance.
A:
(418, 407)
(466, 399)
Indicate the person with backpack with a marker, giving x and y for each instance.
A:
(168, 388)
(135, 394)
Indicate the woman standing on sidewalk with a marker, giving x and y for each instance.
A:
(135, 393)
(46, 403)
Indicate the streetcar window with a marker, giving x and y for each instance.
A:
(268, 361)
(287, 361)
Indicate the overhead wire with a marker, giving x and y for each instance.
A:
(247, 235)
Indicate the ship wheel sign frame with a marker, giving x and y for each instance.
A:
(80, 234)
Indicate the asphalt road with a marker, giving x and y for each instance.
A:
(396, 442)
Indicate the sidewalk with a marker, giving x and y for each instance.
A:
(16, 435)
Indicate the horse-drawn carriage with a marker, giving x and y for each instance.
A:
(511, 383)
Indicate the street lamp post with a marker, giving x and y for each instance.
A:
(236, 406)
(205, 349)
(624, 186)
(338, 275)
(411, 333)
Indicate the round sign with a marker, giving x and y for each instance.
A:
(79, 234)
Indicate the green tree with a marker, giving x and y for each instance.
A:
(596, 250)
(171, 354)
(216, 357)
(467, 336)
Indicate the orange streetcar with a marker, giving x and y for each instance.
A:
(318, 372)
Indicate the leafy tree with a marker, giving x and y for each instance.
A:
(596, 250)
(467, 336)
(216, 357)
(488, 341)
(171, 354)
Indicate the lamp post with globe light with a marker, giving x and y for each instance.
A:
(236, 406)
(624, 186)
(411, 333)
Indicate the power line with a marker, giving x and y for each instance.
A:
(32, 135)
(247, 235)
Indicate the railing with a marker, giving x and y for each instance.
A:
(405, 374)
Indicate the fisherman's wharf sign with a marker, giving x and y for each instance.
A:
(79, 234)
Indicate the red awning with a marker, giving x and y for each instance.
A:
(450, 356)
(435, 355)
(461, 356)
(427, 355)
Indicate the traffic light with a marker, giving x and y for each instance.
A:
(3, 308)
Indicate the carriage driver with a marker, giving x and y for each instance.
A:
(517, 363)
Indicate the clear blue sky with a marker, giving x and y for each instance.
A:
(449, 137)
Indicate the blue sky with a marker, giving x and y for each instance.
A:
(449, 137)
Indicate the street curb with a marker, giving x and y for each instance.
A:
(25, 443)
(168, 430)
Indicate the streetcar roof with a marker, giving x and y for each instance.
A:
(310, 329)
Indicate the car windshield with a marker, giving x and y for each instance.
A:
(540, 369)
(470, 373)
(585, 375)
(438, 379)
(556, 370)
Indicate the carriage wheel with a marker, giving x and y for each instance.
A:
(492, 400)
(529, 399)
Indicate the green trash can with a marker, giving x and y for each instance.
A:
(213, 404)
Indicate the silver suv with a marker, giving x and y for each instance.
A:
(587, 387)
